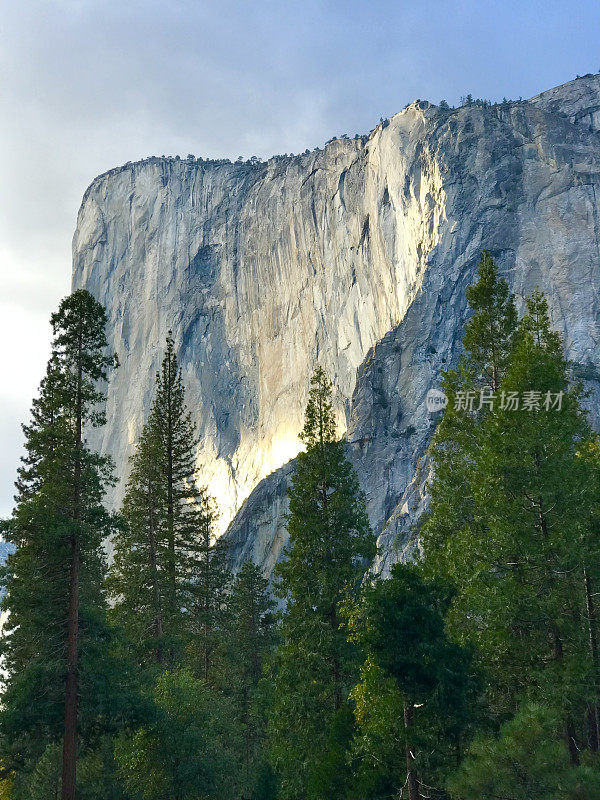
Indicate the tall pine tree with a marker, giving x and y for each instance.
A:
(330, 542)
(208, 607)
(137, 578)
(250, 639)
(55, 638)
(158, 578)
(515, 538)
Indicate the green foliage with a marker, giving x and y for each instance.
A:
(500, 613)
(266, 783)
(208, 605)
(330, 542)
(44, 780)
(513, 524)
(319, 419)
(517, 558)
(186, 752)
(59, 521)
(378, 747)
(489, 332)
(526, 760)
(331, 777)
(168, 577)
(249, 640)
(413, 671)
(97, 774)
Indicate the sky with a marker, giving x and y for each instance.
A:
(86, 85)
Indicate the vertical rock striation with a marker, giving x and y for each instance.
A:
(356, 256)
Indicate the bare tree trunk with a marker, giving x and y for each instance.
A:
(593, 718)
(569, 728)
(411, 776)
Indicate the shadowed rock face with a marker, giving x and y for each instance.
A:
(356, 256)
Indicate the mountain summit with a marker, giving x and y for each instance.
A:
(355, 256)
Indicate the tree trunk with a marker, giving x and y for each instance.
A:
(69, 765)
(69, 762)
(571, 742)
(411, 776)
(569, 729)
(593, 717)
(158, 626)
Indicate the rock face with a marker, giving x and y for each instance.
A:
(356, 256)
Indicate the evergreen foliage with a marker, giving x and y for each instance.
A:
(166, 579)
(186, 752)
(330, 544)
(423, 676)
(62, 679)
(527, 759)
(489, 333)
(250, 639)
(473, 674)
(208, 604)
(511, 525)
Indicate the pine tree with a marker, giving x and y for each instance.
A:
(488, 342)
(488, 334)
(208, 606)
(330, 542)
(161, 552)
(56, 636)
(400, 624)
(137, 577)
(520, 555)
(186, 505)
(250, 638)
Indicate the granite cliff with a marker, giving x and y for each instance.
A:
(355, 256)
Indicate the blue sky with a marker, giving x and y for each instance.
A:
(89, 84)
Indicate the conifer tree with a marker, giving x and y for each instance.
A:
(251, 636)
(489, 332)
(208, 606)
(137, 578)
(519, 555)
(161, 552)
(55, 640)
(186, 505)
(330, 542)
(400, 624)
(488, 340)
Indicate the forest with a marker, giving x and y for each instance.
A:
(470, 673)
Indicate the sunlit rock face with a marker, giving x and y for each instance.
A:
(357, 257)
(260, 271)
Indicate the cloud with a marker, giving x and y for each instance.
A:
(89, 84)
